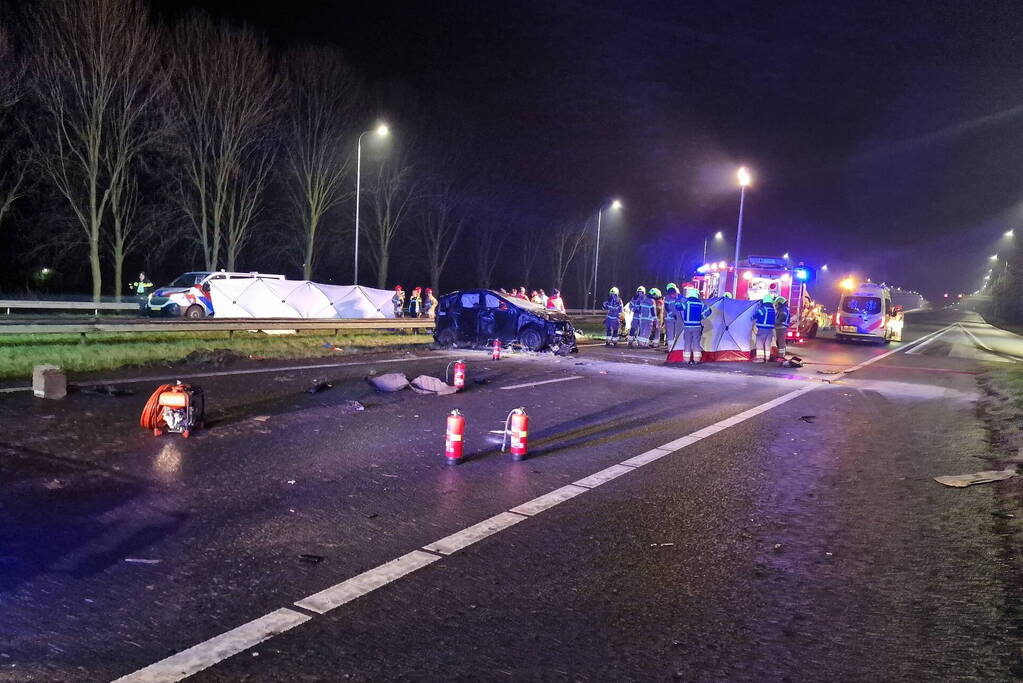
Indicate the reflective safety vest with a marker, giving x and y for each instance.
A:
(693, 311)
(646, 309)
(765, 317)
(781, 316)
(613, 306)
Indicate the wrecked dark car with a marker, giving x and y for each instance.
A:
(476, 317)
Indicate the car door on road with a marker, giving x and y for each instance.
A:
(468, 316)
(498, 319)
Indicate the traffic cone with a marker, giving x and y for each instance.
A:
(496, 354)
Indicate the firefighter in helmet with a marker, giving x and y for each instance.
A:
(613, 306)
(693, 311)
(764, 317)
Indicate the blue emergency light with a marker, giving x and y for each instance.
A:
(802, 274)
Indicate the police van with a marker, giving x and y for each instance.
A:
(189, 294)
(867, 313)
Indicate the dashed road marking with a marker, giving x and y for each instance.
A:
(476, 532)
(366, 582)
(218, 648)
(549, 500)
(546, 381)
(604, 476)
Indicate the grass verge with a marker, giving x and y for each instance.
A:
(20, 353)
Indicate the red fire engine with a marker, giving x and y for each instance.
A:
(760, 275)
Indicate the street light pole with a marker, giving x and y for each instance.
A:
(382, 131)
(596, 258)
(744, 180)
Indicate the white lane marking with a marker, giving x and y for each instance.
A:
(546, 381)
(476, 532)
(648, 457)
(548, 500)
(924, 341)
(985, 347)
(224, 373)
(603, 476)
(366, 582)
(218, 648)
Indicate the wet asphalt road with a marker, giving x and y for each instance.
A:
(778, 548)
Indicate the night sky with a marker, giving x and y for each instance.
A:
(884, 137)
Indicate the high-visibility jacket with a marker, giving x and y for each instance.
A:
(670, 303)
(781, 316)
(613, 306)
(646, 309)
(141, 286)
(693, 311)
(398, 302)
(765, 316)
(415, 305)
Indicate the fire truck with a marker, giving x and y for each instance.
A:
(760, 275)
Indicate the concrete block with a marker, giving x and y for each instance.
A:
(49, 381)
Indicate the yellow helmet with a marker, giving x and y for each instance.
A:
(614, 290)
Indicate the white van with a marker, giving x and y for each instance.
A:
(189, 294)
(867, 313)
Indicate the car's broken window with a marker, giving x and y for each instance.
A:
(470, 299)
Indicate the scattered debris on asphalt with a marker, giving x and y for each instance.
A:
(352, 407)
(794, 362)
(392, 381)
(482, 381)
(808, 418)
(332, 347)
(141, 560)
(53, 484)
(311, 559)
(1003, 515)
(370, 515)
(261, 418)
(291, 481)
(778, 547)
(829, 372)
(318, 385)
(603, 372)
(108, 390)
(985, 477)
(661, 545)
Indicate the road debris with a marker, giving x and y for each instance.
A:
(352, 407)
(1003, 515)
(311, 559)
(291, 481)
(829, 372)
(661, 545)
(985, 477)
(808, 418)
(261, 418)
(332, 347)
(141, 560)
(318, 385)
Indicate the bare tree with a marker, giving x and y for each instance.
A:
(392, 192)
(13, 164)
(321, 91)
(565, 241)
(94, 79)
(448, 208)
(487, 244)
(530, 245)
(225, 92)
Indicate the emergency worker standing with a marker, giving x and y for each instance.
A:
(141, 289)
(693, 313)
(646, 320)
(555, 302)
(398, 302)
(764, 318)
(429, 304)
(781, 324)
(658, 326)
(635, 308)
(613, 306)
(672, 318)
(415, 305)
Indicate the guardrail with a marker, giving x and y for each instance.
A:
(212, 325)
(94, 306)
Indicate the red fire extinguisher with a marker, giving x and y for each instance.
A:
(497, 350)
(458, 378)
(453, 438)
(517, 428)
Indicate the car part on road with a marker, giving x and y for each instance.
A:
(453, 445)
(986, 477)
(177, 408)
(318, 385)
(516, 425)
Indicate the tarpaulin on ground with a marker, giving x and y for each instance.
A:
(268, 298)
(727, 332)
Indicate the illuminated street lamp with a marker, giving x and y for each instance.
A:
(744, 180)
(616, 205)
(824, 267)
(718, 236)
(993, 257)
(848, 284)
(1009, 233)
(380, 131)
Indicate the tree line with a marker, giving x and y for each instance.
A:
(132, 139)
